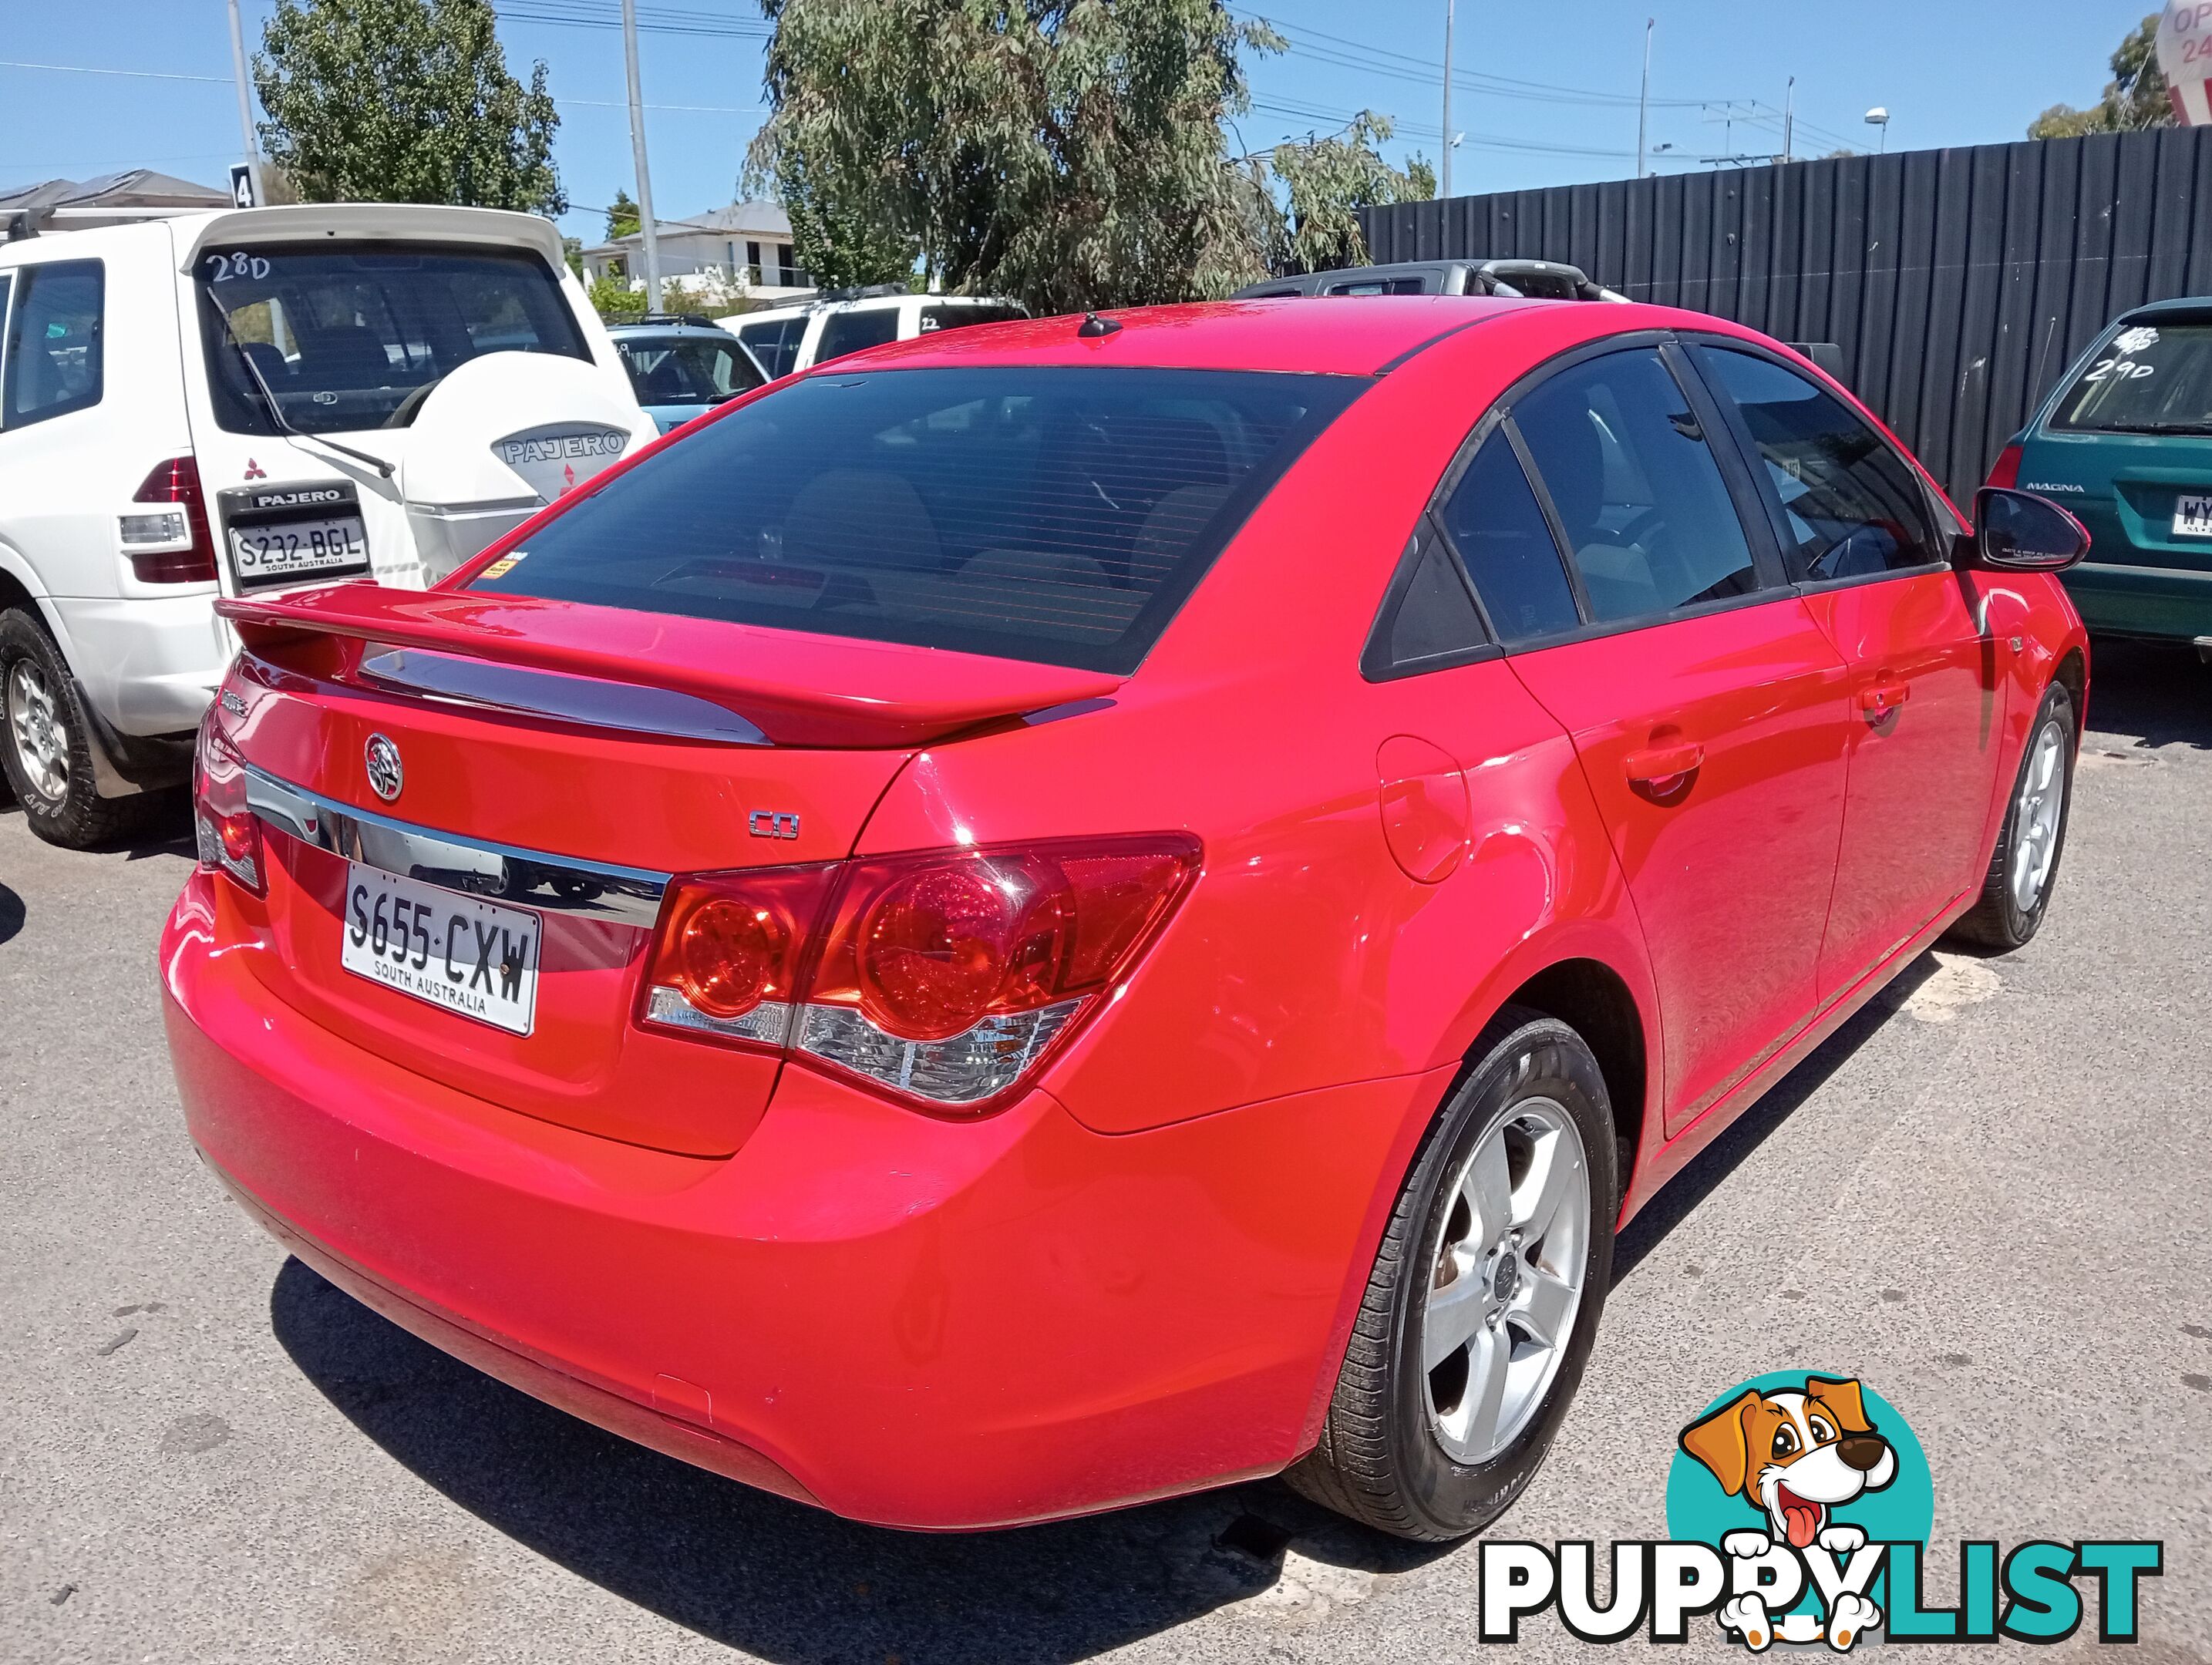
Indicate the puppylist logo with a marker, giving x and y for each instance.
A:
(1799, 1509)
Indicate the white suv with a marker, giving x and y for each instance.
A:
(218, 402)
(786, 339)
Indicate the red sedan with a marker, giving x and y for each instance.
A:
(1077, 911)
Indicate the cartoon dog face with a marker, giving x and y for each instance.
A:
(1795, 1455)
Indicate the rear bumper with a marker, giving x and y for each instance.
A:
(2168, 602)
(915, 1323)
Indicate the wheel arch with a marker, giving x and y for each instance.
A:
(2073, 675)
(20, 588)
(1594, 976)
(1594, 1000)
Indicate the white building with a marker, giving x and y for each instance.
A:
(739, 253)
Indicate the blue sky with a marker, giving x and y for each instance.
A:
(1553, 102)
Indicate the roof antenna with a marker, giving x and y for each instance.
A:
(1093, 325)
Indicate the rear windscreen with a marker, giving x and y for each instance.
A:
(2148, 378)
(1056, 515)
(691, 369)
(345, 338)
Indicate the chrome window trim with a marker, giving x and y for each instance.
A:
(475, 866)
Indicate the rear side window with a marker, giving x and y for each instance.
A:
(53, 354)
(939, 317)
(775, 344)
(1852, 507)
(2148, 378)
(1056, 515)
(848, 332)
(1378, 286)
(1432, 622)
(1493, 520)
(1647, 515)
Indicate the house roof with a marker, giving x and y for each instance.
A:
(135, 187)
(744, 219)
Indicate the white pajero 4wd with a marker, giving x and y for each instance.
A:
(223, 402)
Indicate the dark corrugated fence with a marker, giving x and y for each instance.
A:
(1959, 283)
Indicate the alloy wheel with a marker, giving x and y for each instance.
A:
(36, 730)
(2036, 814)
(1508, 1280)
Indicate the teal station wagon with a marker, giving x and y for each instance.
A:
(2125, 443)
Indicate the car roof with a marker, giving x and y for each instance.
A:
(665, 326)
(2198, 304)
(1295, 333)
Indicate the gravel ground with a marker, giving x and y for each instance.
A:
(1986, 1196)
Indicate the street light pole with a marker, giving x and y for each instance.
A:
(1450, 6)
(645, 220)
(244, 102)
(1644, 104)
(1790, 120)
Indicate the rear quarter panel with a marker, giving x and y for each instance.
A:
(1305, 957)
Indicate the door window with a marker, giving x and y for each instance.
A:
(848, 332)
(1493, 520)
(1645, 510)
(774, 343)
(1852, 507)
(53, 347)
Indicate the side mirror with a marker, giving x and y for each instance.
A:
(2021, 532)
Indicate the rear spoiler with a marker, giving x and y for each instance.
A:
(797, 688)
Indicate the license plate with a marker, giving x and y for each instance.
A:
(292, 550)
(472, 958)
(2192, 518)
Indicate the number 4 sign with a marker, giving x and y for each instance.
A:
(241, 185)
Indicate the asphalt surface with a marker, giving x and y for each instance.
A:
(1986, 1197)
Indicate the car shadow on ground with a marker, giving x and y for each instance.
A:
(1682, 1194)
(781, 1580)
(2151, 693)
(794, 1584)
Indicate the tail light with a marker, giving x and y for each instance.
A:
(228, 832)
(177, 482)
(2005, 474)
(943, 978)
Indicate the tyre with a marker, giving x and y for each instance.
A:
(2025, 868)
(1480, 1316)
(46, 742)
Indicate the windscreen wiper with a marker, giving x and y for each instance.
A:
(269, 395)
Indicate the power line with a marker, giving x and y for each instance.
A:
(1336, 119)
(651, 19)
(225, 81)
(1359, 54)
(135, 75)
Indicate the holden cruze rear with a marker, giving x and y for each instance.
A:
(742, 960)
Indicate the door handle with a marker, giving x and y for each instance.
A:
(1660, 765)
(1880, 699)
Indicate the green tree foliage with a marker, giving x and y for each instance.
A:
(405, 101)
(613, 299)
(622, 216)
(2135, 97)
(1322, 181)
(1069, 152)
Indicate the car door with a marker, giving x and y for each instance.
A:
(1860, 535)
(1709, 711)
